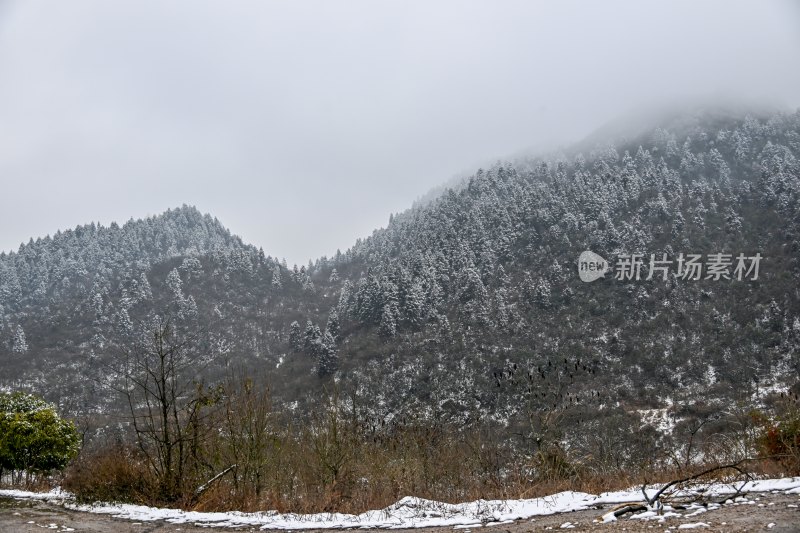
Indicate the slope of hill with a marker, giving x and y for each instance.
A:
(468, 306)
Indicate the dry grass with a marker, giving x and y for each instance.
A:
(116, 473)
(340, 461)
(308, 472)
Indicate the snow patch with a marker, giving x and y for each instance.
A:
(659, 419)
(409, 512)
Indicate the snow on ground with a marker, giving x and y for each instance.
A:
(660, 419)
(411, 512)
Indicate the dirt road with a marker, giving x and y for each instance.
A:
(767, 512)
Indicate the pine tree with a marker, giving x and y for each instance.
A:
(328, 362)
(98, 305)
(276, 277)
(312, 339)
(123, 323)
(541, 293)
(144, 291)
(343, 307)
(20, 344)
(191, 267)
(741, 146)
(415, 308)
(187, 308)
(332, 326)
(501, 307)
(295, 336)
(388, 325)
(175, 283)
(717, 162)
(528, 290)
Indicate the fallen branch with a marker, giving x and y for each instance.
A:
(732, 466)
(626, 508)
(202, 488)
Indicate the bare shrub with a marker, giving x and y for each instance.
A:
(114, 473)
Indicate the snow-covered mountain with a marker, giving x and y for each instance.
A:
(469, 305)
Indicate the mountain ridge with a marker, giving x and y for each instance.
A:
(458, 308)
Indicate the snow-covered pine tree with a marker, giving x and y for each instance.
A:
(20, 343)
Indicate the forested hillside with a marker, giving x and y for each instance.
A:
(467, 307)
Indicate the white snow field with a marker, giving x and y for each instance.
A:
(412, 512)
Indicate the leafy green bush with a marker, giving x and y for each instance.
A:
(34, 439)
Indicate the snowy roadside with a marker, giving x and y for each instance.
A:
(411, 512)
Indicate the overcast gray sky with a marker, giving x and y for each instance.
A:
(302, 125)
